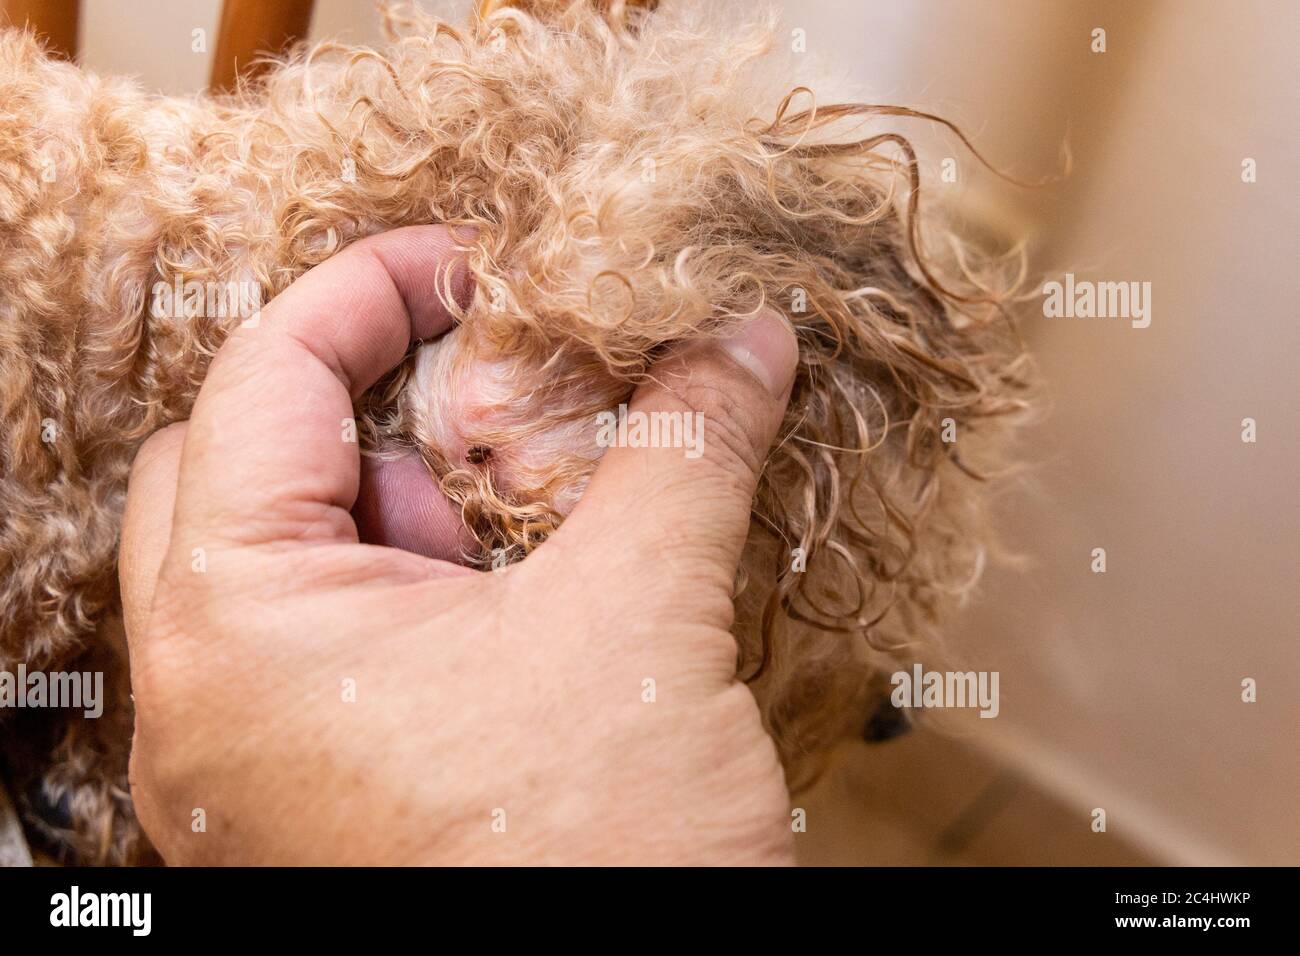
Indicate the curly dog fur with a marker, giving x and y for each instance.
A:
(635, 179)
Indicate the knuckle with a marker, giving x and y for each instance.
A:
(731, 412)
(160, 658)
(731, 444)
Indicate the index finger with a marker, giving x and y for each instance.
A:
(271, 453)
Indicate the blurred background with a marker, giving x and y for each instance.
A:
(1120, 690)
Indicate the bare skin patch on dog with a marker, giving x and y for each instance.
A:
(483, 414)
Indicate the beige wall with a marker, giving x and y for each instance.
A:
(1122, 690)
(150, 39)
(1119, 690)
(153, 39)
(1132, 679)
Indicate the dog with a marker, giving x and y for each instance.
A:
(625, 178)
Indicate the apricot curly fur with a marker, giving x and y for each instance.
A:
(636, 179)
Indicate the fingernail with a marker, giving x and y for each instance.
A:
(766, 346)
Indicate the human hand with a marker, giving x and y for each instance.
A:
(512, 697)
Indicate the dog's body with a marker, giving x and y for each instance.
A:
(626, 195)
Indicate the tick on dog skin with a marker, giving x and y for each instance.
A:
(478, 454)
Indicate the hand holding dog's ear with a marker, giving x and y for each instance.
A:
(660, 519)
(325, 701)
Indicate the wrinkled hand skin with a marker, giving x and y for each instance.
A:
(324, 701)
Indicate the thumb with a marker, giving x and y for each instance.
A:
(674, 517)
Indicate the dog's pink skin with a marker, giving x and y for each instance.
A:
(460, 404)
(462, 401)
